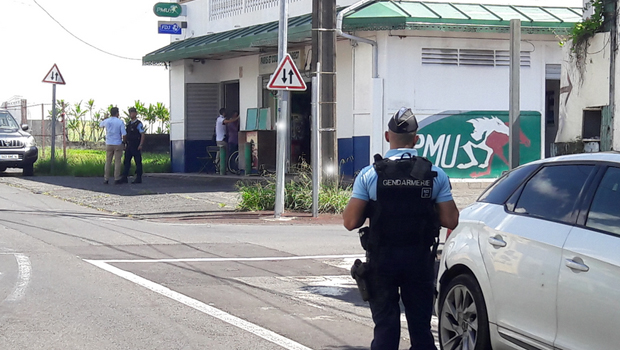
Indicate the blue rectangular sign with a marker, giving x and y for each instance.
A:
(169, 28)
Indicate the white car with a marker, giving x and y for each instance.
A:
(535, 262)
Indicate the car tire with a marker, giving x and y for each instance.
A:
(28, 169)
(463, 320)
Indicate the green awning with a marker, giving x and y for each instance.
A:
(378, 15)
(233, 43)
(446, 16)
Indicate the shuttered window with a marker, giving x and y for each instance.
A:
(471, 57)
(202, 107)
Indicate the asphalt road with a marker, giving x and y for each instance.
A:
(77, 278)
(89, 266)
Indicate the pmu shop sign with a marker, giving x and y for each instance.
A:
(167, 9)
(170, 27)
(475, 144)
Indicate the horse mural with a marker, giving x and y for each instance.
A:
(493, 135)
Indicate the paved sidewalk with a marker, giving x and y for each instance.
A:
(184, 198)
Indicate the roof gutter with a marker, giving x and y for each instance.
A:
(375, 49)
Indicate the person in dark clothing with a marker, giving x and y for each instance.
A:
(232, 131)
(407, 199)
(133, 146)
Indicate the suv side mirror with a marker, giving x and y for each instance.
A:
(25, 127)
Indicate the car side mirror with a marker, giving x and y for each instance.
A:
(25, 127)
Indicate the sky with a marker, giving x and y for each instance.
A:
(32, 43)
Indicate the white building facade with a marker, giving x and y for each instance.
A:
(447, 62)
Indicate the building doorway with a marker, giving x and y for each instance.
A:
(300, 108)
(231, 96)
(300, 122)
(552, 106)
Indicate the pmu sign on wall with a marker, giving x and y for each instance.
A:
(475, 144)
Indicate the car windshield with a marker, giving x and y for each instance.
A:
(7, 122)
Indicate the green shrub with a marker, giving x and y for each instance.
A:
(260, 196)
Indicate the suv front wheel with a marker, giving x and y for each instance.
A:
(28, 169)
(463, 321)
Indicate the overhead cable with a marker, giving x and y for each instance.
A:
(73, 35)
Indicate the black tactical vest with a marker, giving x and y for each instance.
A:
(404, 213)
(133, 134)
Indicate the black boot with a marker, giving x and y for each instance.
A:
(137, 180)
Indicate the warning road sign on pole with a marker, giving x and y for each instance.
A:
(54, 76)
(287, 77)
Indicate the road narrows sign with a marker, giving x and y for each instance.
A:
(54, 76)
(287, 77)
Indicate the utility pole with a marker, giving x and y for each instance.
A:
(607, 123)
(515, 89)
(24, 112)
(324, 52)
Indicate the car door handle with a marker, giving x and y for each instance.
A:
(497, 241)
(577, 265)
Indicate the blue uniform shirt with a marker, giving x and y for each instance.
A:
(365, 185)
(140, 126)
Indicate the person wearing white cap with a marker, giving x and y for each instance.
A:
(407, 200)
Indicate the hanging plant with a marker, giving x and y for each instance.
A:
(582, 32)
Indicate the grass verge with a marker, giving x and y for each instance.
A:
(87, 163)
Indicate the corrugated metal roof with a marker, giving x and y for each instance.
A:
(237, 42)
(378, 15)
(389, 15)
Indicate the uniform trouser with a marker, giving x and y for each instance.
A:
(136, 154)
(116, 152)
(410, 269)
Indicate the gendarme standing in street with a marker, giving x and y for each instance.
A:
(407, 199)
(133, 146)
(114, 134)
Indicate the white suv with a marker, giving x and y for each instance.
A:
(535, 262)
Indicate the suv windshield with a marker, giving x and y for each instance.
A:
(7, 122)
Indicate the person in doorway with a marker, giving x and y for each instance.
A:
(407, 199)
(134, 140)
(114, 134)
(220, 132)
(232, 132)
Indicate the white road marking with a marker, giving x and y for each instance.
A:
(276, 258)
(200, 306)
(23, 279)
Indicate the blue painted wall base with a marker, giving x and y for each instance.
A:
(353, 154)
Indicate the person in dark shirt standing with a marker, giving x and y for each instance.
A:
(133, 146)
(232, 131)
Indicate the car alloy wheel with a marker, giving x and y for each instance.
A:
(463, 321)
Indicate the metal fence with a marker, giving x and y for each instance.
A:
(228, 8)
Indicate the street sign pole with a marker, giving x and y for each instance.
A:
(53, 154)
(316, 148)
(282, 115)
(53, 77)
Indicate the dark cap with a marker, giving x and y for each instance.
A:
(403, 122)
(131, 110)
